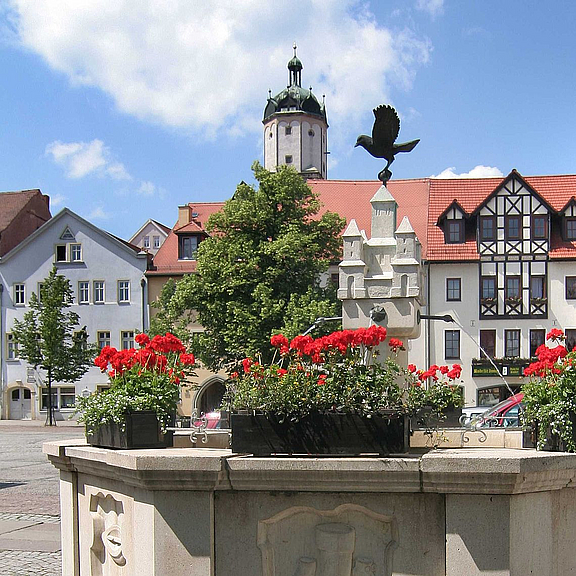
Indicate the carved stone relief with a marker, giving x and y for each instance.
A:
(106, 551)
(348, 541)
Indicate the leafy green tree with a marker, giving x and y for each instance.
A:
(259, 271)
(48, 338)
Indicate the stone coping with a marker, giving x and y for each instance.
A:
(460, 471)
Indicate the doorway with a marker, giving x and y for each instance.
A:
(20, 404)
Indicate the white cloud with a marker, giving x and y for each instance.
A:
(82, 158)
(147, 188)
(98, 213)
(433, 7)
(57, 200)
(476, 172)
(207, 66)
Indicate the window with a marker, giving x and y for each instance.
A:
(451, 344)
(123, 290)
(156, 241)
(76, 252)
(537, 287)
(513, 287)
(11, 347)
(513, 227)
(570, 342)
(83, 292)
(98, 291)
(127, 339)
(19, 295)
(512, 343)
(146, 242)
(187, 246)
(570, 228)
(487, 228)
(539, 226)
(103, 339)
(61, 253)
(570, 287)
(288, 159)
(488, 287)
(288, 130)
(454, 231)
(63, 397)
(487, 343)
(537, 338)
(453, 288)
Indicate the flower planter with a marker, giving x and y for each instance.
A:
(141, 430)
(320, 433)
(424, 419)
(553, 442)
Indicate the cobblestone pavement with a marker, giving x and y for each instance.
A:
(17, 563)
(29, 494)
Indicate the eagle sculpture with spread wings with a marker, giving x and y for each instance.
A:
(384, 134)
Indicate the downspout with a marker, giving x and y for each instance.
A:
(144, 303)
(2, 332)
(428, 322)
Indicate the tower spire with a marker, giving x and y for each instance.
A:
(295, 69)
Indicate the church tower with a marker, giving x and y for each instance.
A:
(295, 127)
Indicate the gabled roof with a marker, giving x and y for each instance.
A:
(122, 244)
(12, 203)
(161, 228)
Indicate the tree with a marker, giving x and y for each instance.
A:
(259, 271)
(47, 337)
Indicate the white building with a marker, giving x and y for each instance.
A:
(110, 296)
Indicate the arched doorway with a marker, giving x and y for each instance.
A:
(20, 403)
(209, 396)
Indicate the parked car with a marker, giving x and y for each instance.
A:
(504, 415)
(470, 412)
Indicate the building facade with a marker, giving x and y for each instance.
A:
(110, 296)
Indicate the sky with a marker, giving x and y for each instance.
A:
(122, 111)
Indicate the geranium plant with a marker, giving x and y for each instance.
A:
(144, 378)
(340, 372)
(550, 394)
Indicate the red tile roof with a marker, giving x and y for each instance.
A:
(422, 200)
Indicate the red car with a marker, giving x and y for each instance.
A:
(505, 414)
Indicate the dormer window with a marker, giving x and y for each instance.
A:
(570, 228)
(187, 246)
(454, 231)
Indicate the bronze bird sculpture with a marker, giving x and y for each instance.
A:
(384, 134)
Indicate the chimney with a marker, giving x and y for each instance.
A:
(183, 215)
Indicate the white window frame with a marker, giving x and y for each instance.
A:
(73, 247)
(123, 291)
(61, 260)
(127, 339)
(146, 242)
(19, 290)
(97, 287)
(11, 348)
(156, 241)
(103, 340)
(86, 284)
(57, 396)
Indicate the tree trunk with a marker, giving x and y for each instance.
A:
(50, 421)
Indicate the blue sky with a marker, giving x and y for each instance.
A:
(121, 111)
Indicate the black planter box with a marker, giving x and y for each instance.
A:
(425, 420)
(553, 442)
(142, 430)
(320, 433)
